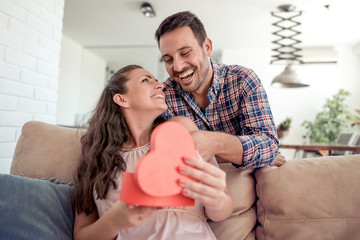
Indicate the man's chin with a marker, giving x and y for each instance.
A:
(186, 87)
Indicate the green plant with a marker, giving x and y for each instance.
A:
(283, 128)
(353, 118)
(284, 125)
(329, 123)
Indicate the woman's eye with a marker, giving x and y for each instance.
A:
(145, 80)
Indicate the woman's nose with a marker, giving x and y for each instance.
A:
(159, 85)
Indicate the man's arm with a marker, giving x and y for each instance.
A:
(209, 144)
(261, 149)
(255, 143)
(258, 137)
(226, 147)
(222, 145)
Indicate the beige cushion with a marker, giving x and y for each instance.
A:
(240, 224)
(46, 150)
(314, 198)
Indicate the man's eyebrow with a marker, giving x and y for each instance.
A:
(178, 50)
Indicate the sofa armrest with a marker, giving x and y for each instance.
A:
(46, 150)
(312, 198)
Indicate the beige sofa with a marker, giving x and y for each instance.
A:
(313, 198)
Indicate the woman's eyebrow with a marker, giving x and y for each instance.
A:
(145, 75)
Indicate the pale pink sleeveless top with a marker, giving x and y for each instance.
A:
(169, 223)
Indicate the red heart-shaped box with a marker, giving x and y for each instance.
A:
(156, 176)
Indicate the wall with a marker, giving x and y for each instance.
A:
(83, 76)
(302, 103)
(92, 83)
(30, 42)
(81, 80)
(69, 82)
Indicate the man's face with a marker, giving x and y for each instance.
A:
(185, 60)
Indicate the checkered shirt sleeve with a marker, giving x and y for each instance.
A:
(238, 105)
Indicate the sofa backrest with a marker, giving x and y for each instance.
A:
(46, 151)
(50, 151)
(309, 198)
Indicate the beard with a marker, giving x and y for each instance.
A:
(199, 77)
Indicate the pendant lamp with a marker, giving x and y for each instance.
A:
(287, 51)
(288, 79)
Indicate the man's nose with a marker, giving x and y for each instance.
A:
(178, 64)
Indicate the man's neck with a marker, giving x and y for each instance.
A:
(201, 94)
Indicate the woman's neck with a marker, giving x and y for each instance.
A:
(140, 131)
(139, 138)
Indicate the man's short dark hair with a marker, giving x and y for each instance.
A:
(182, 19)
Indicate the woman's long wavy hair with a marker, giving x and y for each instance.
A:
(100, 160)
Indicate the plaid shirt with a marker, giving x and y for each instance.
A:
(238, 105)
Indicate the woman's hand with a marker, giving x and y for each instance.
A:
(119, 216)
(210, 187)
(132, 215)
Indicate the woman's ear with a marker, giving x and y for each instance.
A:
(120, 100)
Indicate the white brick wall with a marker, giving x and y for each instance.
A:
(30, 44)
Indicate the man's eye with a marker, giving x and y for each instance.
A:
(186, 53)
(167, 60)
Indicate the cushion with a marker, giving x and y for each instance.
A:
(35, 209)
(312, 198)
(240, 224)
(47, 150)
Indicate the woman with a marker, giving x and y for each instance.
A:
(118, 135)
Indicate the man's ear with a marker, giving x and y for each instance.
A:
(120, 100)
(208, 46)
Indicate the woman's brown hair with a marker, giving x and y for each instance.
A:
(100, 159)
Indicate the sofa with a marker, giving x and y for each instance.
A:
(312, 198)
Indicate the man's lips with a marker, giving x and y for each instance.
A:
(186, 75)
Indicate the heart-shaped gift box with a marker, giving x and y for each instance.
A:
(156, 176)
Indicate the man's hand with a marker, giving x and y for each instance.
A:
(279, 161)
(204, 144)
(219, 144)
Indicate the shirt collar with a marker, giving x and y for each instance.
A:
(217, 80)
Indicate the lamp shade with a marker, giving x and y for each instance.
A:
(288, 79)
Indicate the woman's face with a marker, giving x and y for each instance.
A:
(145, 92)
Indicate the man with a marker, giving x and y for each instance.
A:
(228, 101)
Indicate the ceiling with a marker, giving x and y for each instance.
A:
(117, 24)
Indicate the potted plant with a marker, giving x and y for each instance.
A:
(355, 119)
(283, 128)
(329, 123)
